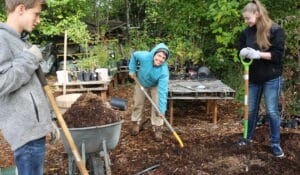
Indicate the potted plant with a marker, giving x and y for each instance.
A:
(96, 57)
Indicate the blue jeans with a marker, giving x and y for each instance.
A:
(271, 92)
(30, 157)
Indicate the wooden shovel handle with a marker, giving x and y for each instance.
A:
(155, 106)
(62, 122)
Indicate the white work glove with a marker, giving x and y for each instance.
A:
(36, 52)
(132, 76)
(250, 53)
(158, 114)
(244, 52)
(55, 134)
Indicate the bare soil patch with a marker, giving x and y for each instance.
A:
(209, 149)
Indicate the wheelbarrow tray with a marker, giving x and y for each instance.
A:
(92, 137)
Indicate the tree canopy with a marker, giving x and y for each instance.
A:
(204, 31)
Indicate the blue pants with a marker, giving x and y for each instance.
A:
(30, 157)
(271, 92)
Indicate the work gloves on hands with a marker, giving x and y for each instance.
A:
(55, 134)
(158, 114)
(36, 52)
(250, 53)
(132, 76)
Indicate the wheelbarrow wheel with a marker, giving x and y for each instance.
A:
(95, 165)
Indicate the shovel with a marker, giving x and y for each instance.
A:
(155, 106)
(246, 65)
(61, 122)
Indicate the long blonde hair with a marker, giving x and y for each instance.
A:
(263, 25)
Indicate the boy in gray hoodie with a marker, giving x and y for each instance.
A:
(25, 114)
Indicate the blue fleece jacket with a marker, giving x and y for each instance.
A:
(150, 75)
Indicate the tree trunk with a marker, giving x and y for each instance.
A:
(127, 20)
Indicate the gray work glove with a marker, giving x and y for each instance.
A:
(36, 52)
(55, 134)
(250, 53)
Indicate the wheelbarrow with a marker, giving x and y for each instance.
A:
(94, 143)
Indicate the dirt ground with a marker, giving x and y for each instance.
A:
(208, 149)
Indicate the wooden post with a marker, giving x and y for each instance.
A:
(65, 74)
(171, 111)
(215, 111)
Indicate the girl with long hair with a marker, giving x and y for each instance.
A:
(263, 42)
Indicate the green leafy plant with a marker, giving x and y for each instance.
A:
(96, 57)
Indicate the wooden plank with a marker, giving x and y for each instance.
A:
(82, 90)
(84, 83)
(83, 86)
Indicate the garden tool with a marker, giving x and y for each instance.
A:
(155, 106)
(246, 65)
(61, 121)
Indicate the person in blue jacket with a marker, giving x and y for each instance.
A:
(153, 74)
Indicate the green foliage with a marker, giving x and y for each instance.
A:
(103, 54)
(96, 57)
(205, 31)
(291, 62)
(183, 50)
(2, 11)
(65, 15)
(226, 25)
(2, 18)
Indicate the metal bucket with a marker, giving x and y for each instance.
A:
(118, 103)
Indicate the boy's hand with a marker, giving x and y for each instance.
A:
(36, 52)
(55, 134)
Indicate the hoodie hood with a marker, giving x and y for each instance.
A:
(160, 46)
(4, 26)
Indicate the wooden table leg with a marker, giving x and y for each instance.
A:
(208, 104)
(110, 88)
(115, 78)
(171, 112)
(103, 95)
(215, 111)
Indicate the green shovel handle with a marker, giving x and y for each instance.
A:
(246, 63)
(245, 134)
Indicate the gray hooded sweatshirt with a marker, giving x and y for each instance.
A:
(25, 113)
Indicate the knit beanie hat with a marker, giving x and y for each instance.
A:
(165, 51)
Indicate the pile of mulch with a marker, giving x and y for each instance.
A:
(90, 110)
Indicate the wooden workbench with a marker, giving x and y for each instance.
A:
(85, 86)
(209, 90)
